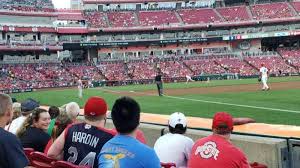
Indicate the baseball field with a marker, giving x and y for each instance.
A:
(241, 98)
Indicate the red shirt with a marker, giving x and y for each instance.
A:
(139, 136)
(214, 152)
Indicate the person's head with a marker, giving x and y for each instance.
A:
(62, 121)
(262, 64)
(222, 123)
(14, 100)
(53, 112)
(72, 110)
(95, 109)
(16, 110)
(6, 113)
(39, 118)
(126, 115)
(177, 123)
(28, 106)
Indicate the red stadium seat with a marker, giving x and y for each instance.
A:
(64, 164)
(41, 160)
(27, 152)
(167, 165)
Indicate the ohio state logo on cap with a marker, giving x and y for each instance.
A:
(208, 150)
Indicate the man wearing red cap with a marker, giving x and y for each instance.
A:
(216, 151)
(81, 143)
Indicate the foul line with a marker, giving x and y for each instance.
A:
(231, 104)
(211, 102)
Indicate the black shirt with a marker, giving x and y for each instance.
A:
(35, 138)
(11, 151)
(158, 78)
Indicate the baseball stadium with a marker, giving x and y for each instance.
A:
(236, 56)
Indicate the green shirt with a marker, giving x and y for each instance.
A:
(51, 126)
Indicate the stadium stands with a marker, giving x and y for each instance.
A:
(122, 19)
(173, 69)
(271, 11)
(273, 63)
(296, 6)
(114, 71)
(234, 14)
(204, 66)
(95, 19)
(292, 56)
(154, 18)
(195, 16)
(236, 65)
(141, 70)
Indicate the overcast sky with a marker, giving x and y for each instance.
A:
(61, 3)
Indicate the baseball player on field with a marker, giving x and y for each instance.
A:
(188, 78)
(80, 87)
(264, 72)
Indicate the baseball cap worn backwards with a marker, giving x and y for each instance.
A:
(29, 104)
(221, 120)
(177, 118)
(95, 106)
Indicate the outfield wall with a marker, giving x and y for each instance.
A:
(272, 152)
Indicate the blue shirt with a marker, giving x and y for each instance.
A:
(11, 151)
(125, 151)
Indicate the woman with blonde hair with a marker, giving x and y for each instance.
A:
(33, 131)
(16, 110)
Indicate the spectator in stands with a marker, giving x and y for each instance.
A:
(11, 151)
(124, 150)
(32, 133)
(72, 110)
(61, 122)
(26, 108)
(16, 110)
(84, 140)
(53, 112)
(181, 145)
(216, 150)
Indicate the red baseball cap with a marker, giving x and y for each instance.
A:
(222, 119)
(95, 106)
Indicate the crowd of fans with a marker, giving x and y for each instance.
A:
(23, 76)
(28, 5)
(122, 19)
(47, 75)
(271, 11)
(276, 65)
(291, 56)
(30, 132)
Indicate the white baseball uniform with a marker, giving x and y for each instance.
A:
(188, 78)
(80, 86)
(264, 77)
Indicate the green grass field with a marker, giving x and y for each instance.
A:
(275, 106)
